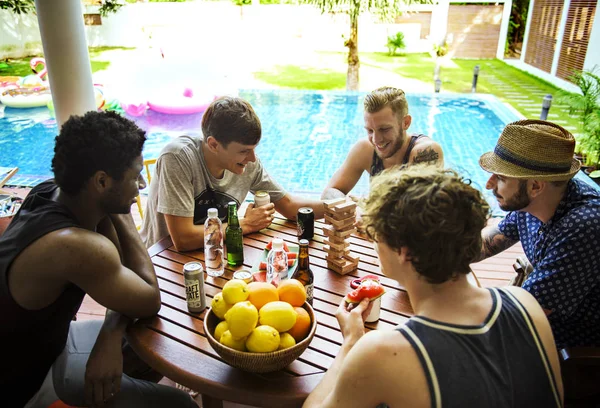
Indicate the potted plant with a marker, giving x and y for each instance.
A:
(395, 42)
(587, 107)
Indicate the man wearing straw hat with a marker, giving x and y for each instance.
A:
(557, 220)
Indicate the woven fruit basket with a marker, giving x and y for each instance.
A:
(258, 362)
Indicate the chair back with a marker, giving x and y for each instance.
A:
(147, 164)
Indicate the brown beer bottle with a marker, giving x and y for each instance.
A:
(303, 272)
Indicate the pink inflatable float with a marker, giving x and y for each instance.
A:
(181, 104)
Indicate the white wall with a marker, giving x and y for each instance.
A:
(592, 58)
(19, 35)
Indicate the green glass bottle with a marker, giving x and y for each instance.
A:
(234, 239)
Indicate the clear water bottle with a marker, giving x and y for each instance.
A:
(277, 263)
(213, 244)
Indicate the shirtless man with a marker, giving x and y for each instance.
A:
(74, 235)
(388, 143)
(465, 346)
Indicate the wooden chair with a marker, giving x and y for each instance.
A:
(580, 366)
(147, 164)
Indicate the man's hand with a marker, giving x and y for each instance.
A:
(104, 369)
(256, 219)
(351, 318)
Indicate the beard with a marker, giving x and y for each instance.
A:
(394, 147)
(518, 201)
(113, 203)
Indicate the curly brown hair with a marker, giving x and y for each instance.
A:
(435, 213)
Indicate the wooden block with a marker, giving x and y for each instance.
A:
(352, 257)
(339, 224)
(348, 206)
(329, 230)
(342, 270)
(340, 216)
(336, 239)
(341, 262)
(336, 246)
(335, 253)
(333, 202)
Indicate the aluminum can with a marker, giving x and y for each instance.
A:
(305, 220)
(193, 275)
(243, 274)
(261, 198)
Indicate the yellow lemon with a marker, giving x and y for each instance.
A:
(241, 319)
(228, 340)
(220, 329)
(263, 339)
(219, 306)
(235, 291)
(286, 341)
(280, 315)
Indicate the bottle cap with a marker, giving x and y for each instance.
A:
(232, 203)
(303, 242)
(277, 244)
(213, 213)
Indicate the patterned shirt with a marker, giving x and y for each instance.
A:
(565, 254)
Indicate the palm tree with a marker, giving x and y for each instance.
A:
(386, 9)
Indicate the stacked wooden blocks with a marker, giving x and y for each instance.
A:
(340, 216)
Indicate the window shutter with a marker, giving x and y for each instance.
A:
(543, 33)
(577, 35)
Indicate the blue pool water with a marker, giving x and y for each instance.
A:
(306, 134)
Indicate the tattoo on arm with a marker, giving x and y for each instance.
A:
(494, 242)
(427, 155)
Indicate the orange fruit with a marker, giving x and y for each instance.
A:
(300, 330)
(261, 293)
(292, 291)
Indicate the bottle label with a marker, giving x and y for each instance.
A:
(192, 294)
(309, 292)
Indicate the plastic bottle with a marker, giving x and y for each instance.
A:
(277, 264)
(213, 244)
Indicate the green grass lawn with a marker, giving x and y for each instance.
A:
(20, 66)
(522, 90)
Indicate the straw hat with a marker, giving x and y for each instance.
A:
(533, 149)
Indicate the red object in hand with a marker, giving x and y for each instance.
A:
(270, 245)
(355, 283)
(369, 288)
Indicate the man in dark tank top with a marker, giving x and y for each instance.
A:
(74, 235)
(387, 144)
(465, 346)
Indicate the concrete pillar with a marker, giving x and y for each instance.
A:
(504, 29)
(67, 58)
(560, 36)
(439, 22)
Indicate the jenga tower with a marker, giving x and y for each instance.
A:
(340, 215)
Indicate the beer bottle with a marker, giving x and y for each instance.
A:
(234, 239)
(303, 272)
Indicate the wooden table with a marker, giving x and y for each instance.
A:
(175, 345)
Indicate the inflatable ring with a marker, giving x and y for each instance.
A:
(26, 97)
(180, 105)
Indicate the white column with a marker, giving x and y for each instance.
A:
(439, 22)
(67, 58)
(527, 28)
(561, 35)
(504, 29)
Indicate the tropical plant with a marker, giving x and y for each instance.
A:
(587, 107)
(386, 10)
(109, 6)
(395, 42)
(17, 6)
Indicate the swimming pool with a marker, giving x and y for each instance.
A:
(306, 134)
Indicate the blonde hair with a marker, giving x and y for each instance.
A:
(434, 213)
(387, 96)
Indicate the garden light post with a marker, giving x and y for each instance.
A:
(65, 49)
(438, 85)
(546, 103)
(475, 75)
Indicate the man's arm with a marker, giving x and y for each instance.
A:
(493, 242)
(187, 236)
(428, 153)
(288, 206)
(346, 177)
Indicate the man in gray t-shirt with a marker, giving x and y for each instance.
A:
(195, 174)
